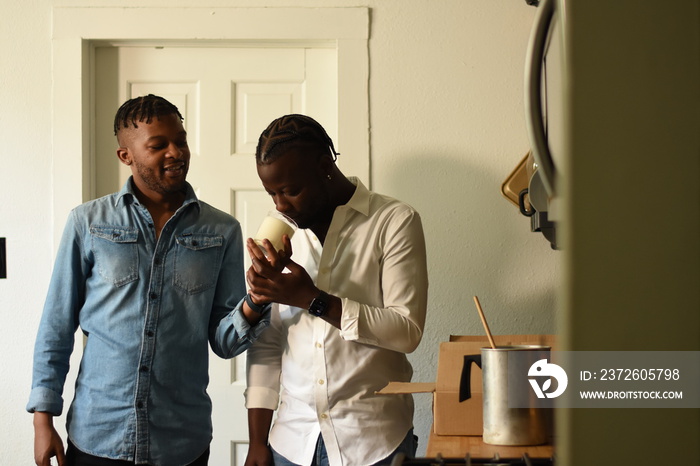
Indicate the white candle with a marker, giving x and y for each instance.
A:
(272, 228)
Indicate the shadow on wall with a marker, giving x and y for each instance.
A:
(478, 244)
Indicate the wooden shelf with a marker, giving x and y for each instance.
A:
(456, 446)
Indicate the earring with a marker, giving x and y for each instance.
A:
(329, 177)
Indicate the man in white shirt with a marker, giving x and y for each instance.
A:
(348, 308)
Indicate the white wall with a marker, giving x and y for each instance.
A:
(446, 114)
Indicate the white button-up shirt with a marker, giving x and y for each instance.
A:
(374, 260)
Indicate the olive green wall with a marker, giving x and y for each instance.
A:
(632, 264)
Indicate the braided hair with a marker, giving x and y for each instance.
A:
(291, 130)
(143, 109)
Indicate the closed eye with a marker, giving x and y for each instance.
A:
(285, 192)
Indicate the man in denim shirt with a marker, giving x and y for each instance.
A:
(150, 274)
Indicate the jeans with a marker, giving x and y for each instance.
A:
(75, 457)
(408, 447)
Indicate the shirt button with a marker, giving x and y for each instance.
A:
(144, 369)
(149, 333)
(320, 382)
(156, 261)
(153, 296)
(319, 345)
(139, 405)
(324, 416)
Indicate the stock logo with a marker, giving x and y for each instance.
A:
(544, 369)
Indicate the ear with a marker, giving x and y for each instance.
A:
(326, 166)
(124, 155)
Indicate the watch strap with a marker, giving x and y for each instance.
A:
(257, 308)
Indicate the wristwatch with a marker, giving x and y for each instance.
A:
(319, 305)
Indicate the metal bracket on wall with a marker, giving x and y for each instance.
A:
(3, 261)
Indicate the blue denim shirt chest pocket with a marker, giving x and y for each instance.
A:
(116, 253)
(197, 259)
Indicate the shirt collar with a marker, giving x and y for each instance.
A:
(360, 198)
(128, 195)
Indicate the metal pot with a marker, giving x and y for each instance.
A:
(510, 410)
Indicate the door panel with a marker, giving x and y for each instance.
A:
(255, 102)
(227, 96)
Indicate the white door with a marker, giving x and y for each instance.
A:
(227, 96)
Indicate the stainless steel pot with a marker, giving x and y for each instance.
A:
(511, 413)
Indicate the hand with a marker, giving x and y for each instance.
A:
(275, 261)
(278, 259)
(268, 283)
(259, 455)
(47, 442)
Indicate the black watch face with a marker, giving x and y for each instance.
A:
(318, 307)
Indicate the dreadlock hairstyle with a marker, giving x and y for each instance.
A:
(143, 109)
(288, 130)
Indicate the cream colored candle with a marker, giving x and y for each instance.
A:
(272, 228)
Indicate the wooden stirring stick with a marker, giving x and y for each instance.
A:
(483, 321)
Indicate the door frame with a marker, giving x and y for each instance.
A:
(77, 30)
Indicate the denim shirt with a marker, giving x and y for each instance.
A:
(148, 308)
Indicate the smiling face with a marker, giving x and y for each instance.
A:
(158, 155)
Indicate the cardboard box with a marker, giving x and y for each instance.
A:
(450, 417)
